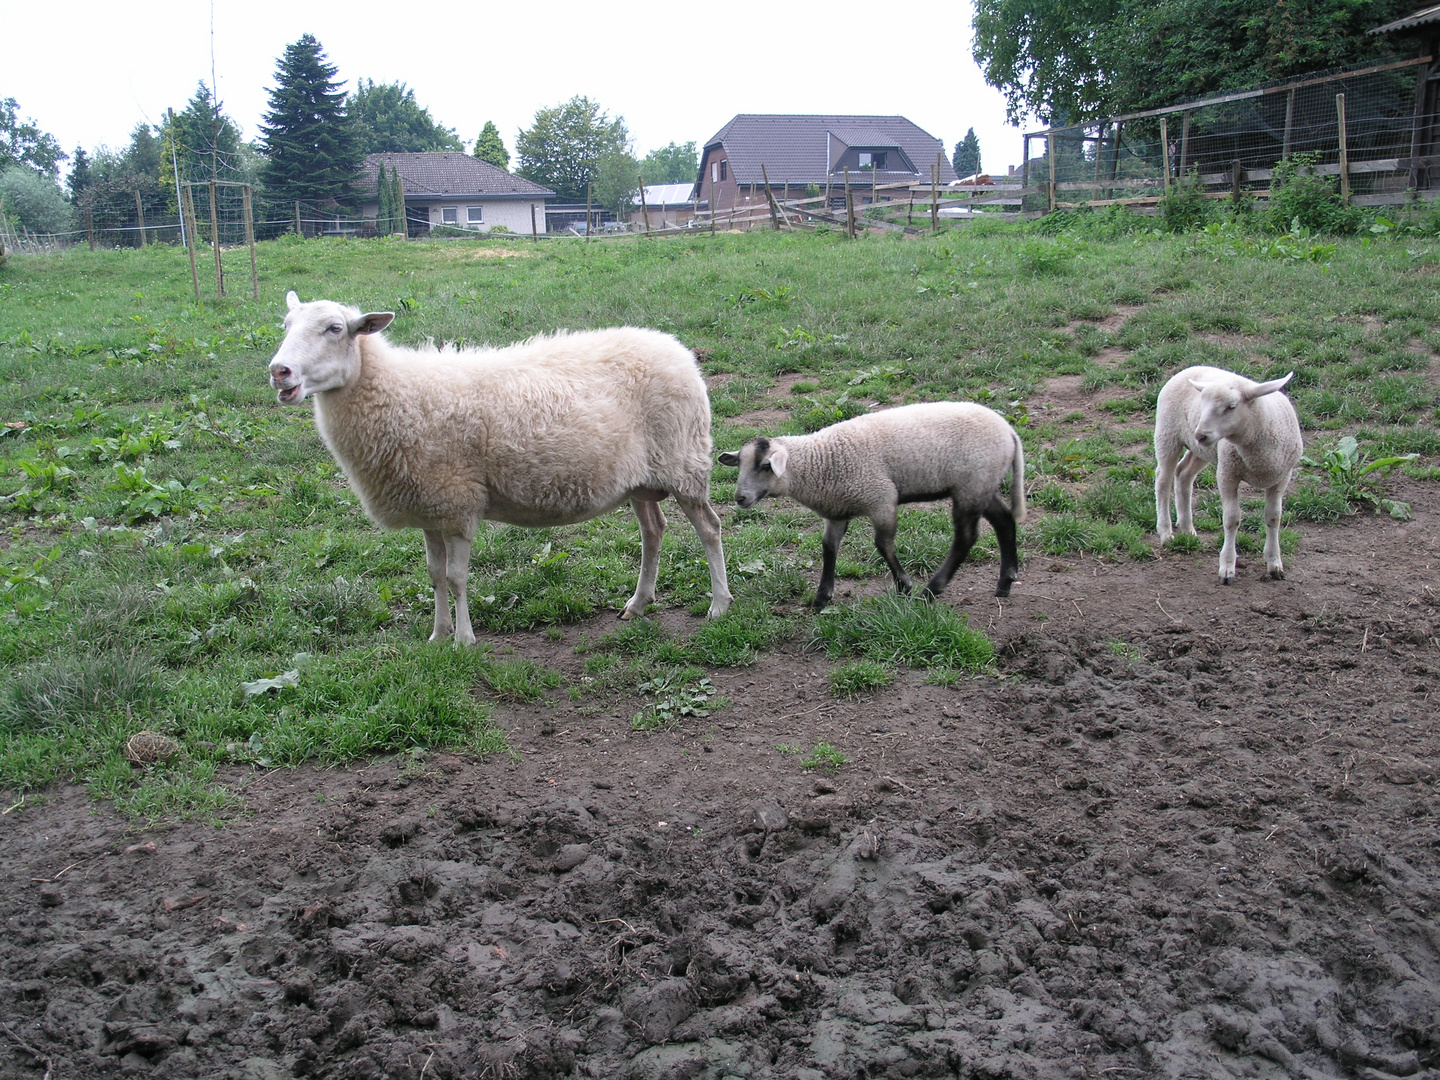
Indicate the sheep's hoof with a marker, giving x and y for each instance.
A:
(718, 609)
(1278, 573)
(1228, 580)
(819, 604)
(1003, 589)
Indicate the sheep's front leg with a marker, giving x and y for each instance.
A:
(1164, 485)
(1189, 468)
(707, 525)
(652, 531)
(1230, 502)
(885, 523)
(1273, 563)
(435, 563)
(457, 576)
(830, 550)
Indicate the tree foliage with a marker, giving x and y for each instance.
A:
(202, 137)
(966, 159)
(563, 148)
(1066, 61)
(307, 135)
(388, 120)
(616, 183)
(675, 163)
(34, 201)
(23, 143)
(490, 147)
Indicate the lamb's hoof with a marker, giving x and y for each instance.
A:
(1228, 580)
(439, 636)
(465, 640)
(1278, 573)
(818, 604)
(718, 609)
(1003, 589)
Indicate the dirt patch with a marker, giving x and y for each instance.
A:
(1116, 320)
(1190, 832)
(781, 402)
(1241, 343)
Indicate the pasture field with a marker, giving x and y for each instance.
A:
(966, 838)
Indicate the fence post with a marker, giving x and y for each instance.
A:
(90, 227)
(1235, 174)
(587, 214)
(534, 236)
(1050, 153)
(769, 198)
(1344, 150)
(1184, 144)
(298, 232)
(1099, 159)
(187, 214)
(1165, 151)
(849, 207)
(140, 214)
(247, 206)
(934, 198)
(404, 217)
(1289, 123)
(215, 241)
(644, 204)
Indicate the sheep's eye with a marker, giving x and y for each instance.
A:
(1230, 407)
(334, 328)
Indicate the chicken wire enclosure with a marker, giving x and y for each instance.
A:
(1233, 142)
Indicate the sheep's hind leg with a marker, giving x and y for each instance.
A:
(1189, 468)
(1273, 562)
(1002, 520)
(967, 528)
(707, 525)
(652, 531)
(457, 576)
(885, 543)
(435, 563)
(830, 550)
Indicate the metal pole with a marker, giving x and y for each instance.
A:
(175, 165)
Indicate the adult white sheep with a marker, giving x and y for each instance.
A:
(551, 431)
(870, 465)
(1247, 430)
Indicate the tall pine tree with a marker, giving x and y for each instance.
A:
(490, 147)
(383, 225)
(307, 136)
(397, 201)
(967, 155)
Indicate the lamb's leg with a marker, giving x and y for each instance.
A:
(1230, 504)
(707, 525)
(1165, 459)
(830, 549)
(435, 563)
(1185, 473)
(457, 576)
(967, 528)
(1003, 522)
(652, 531)
(1273, 563)
(884, 522)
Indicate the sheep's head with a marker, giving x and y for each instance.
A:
(762, 469)
(1224, 405)
(319, 351)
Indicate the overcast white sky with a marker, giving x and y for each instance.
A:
(88, 72)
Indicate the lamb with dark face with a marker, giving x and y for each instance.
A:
(868, 466)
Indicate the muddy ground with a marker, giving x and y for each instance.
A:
(1191, 832)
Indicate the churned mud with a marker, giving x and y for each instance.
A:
(1190, 832)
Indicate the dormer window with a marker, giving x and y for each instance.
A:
(872, 159)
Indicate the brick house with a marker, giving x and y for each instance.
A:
(806, 151)
(454, 190)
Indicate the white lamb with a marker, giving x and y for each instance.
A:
(1247, 430)
(548, 432)
(869, 465)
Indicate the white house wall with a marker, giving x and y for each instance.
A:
(514, 214)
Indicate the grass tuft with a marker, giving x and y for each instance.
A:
(895, 629)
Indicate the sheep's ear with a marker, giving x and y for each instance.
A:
(778, 457)
(1261, 389)
(730, 458)
(291, 300)
(371, 322)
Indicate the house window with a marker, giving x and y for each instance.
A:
(449, 215)
(724, 170)
(474, 215)
(870, 160)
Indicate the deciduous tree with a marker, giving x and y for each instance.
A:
(388, 120)
(563, 147)
(23, 143)
(675, 163)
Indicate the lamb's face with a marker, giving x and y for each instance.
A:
(1225, 405)
(319, 351)
(762, 465)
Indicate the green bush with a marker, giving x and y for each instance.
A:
(1184, 207)
(1300, 198)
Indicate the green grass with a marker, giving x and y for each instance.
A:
(169, 533)
(860, 677)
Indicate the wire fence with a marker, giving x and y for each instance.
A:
(1362, 125)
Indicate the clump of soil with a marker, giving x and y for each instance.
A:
(1191, 831)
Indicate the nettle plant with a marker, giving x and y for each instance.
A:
(1355, 478)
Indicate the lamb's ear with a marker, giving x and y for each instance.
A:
(778, 457)
(371, 322)
(730, 458)
(291, 300)
(1261, 389)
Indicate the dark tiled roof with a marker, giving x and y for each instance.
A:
(1414, 19)
(793, 147)
(449, 173)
